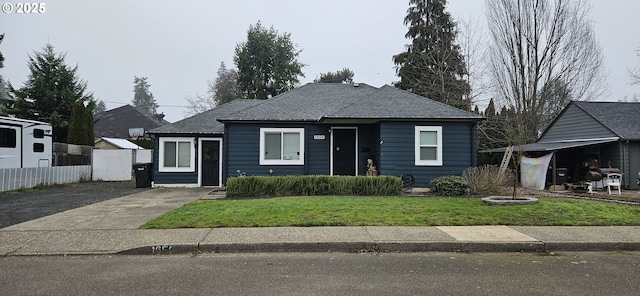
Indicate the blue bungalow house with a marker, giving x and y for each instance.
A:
(318, 129)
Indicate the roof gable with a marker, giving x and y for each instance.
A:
(622, 118)
(587, 120)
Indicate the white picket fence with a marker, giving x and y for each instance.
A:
(19, 178)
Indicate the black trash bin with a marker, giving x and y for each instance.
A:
(561, 176)
(143, 173)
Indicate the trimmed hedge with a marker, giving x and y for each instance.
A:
(269, 186)
(449, 186)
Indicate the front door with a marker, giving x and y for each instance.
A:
(210, 163)
(344, 151)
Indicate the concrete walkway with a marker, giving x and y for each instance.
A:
(111, 227)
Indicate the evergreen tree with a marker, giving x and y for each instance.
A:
(267, 63)
(81, 125)
(490, 112)
(432, 65)
(142, 96)
(343, 76)
(100, 107)
(51, 90)
(492, 133)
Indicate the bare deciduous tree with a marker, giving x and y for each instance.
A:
(199, 103)
(222, 90)
(471, 38)
(543, 54)
(635, 74)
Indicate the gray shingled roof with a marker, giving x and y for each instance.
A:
(310, 102)
(392, 103)
(317, 101)
(115, 123)
(622, 118)
(206, 122)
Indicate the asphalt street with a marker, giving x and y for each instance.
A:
(433, 273)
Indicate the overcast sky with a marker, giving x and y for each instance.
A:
(179, 45)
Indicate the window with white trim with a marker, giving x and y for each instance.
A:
(176, 155)
(282, 146)
(428, 146)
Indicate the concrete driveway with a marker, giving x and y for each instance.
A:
(126, 212)
(28, 204)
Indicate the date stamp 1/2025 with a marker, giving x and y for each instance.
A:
(24, 8)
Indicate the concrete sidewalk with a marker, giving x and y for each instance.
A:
(111, 227)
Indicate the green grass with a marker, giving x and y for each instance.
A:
(391, 211)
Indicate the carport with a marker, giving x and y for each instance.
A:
(578, 156)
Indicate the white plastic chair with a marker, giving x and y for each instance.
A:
(614, 180)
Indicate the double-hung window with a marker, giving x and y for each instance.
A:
(281, 146)
(428, 145)
(177, 155)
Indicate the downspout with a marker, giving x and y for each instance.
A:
(305, 171)
(474, 144)
(553, 169)
(225, 155)
(625, 162)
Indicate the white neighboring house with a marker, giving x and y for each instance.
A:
(139, 153)
(25, 143)
(115, 143)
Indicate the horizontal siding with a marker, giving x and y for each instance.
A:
(318, 151)
(398, 149)
(243, 148)
(172, 177)
(176, 178)
(575, 124)
(243, 152)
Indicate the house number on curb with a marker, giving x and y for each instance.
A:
(160, 248)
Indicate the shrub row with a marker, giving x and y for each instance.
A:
(268, 186)
(449, 186)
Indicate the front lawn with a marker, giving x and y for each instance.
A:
(391, 211)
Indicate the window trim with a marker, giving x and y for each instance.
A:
(192, 158)
(438, 160)
(265, 130)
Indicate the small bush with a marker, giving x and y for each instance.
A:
(449, 186)
(485, 180)
(267, 186)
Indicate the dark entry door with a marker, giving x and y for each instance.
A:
(344, 152)
(210, 163)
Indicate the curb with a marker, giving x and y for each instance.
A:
(359, 247)
(592, 246)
